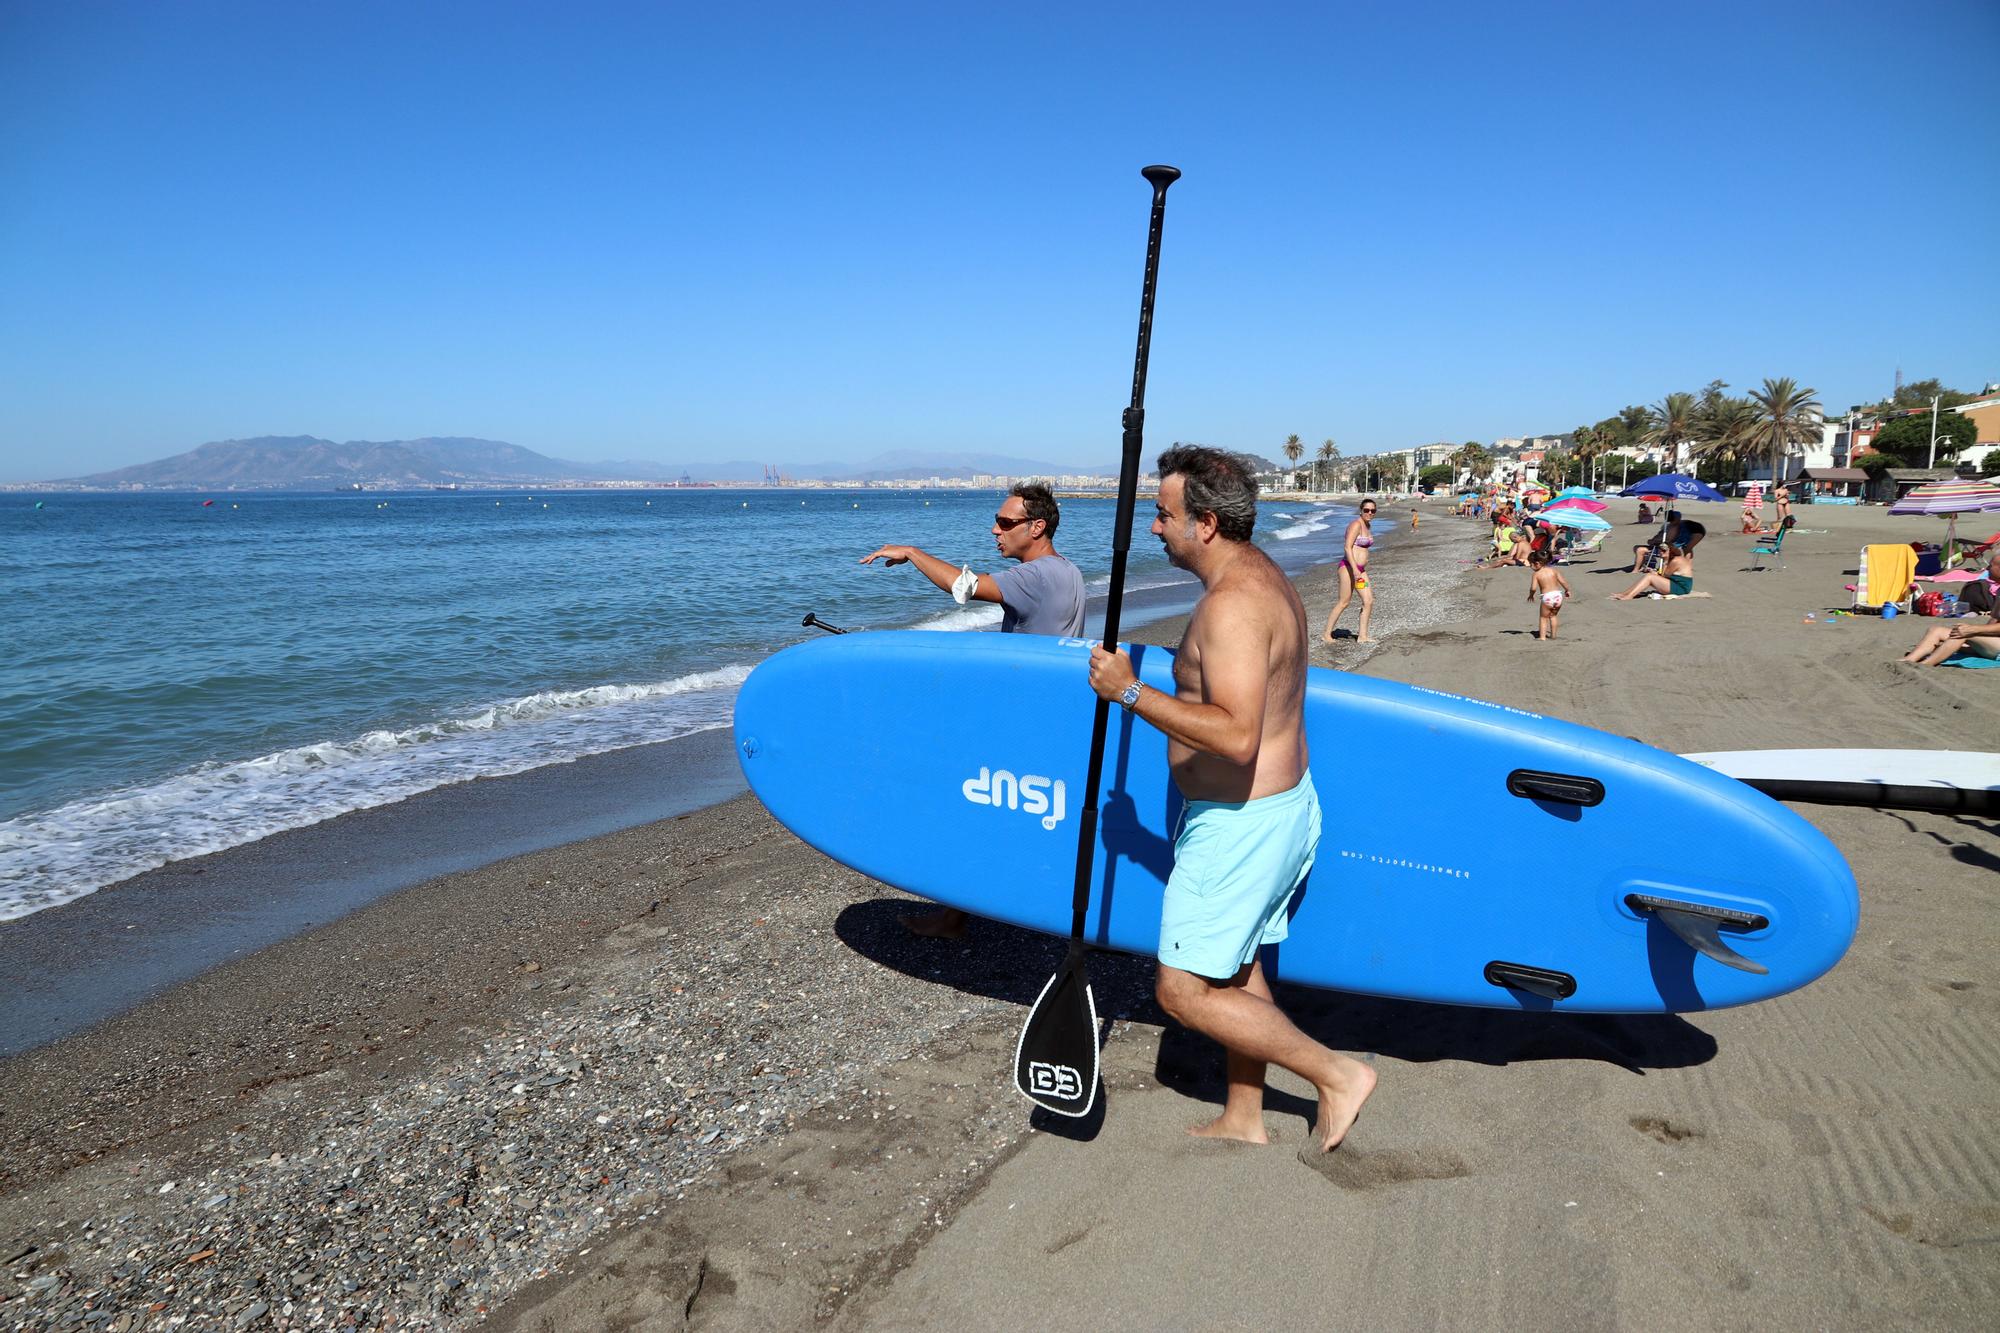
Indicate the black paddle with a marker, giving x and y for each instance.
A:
(814, 622)
(1055, 1063)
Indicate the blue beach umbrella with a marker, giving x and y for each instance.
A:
(1580, 519)
(1672, 486)
(1576, 492)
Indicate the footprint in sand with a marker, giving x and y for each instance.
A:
(1944, 1226)
(1358, 1169)
(1663, 1129)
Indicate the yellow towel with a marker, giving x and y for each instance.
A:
(1890, 570)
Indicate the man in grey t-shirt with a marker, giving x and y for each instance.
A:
(1043, 594)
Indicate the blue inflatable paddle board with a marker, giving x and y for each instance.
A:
(1471, 853)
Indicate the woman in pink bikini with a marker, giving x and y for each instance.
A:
(1353, 569)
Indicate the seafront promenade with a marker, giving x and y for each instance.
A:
(695, 1073)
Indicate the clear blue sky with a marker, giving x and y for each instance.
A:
(818, 231)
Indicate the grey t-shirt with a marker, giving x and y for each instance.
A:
(1042, 596)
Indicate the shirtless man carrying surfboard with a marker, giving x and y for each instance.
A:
(1236, 745)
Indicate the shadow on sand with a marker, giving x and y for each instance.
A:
(1006, 963)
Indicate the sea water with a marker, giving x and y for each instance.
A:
(181, 674)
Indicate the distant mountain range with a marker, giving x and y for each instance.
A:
(305, 462)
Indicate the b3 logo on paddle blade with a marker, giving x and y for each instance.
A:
(1062, 1082)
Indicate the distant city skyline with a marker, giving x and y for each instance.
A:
(672, 235)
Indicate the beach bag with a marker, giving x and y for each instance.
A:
(1929, 604)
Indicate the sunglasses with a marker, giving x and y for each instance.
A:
(1006, 524)
(1369, 509)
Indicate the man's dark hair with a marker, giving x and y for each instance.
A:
(1215, 482)
(1040, 503)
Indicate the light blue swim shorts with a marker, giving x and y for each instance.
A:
(1236, 867)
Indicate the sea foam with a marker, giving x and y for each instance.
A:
(52, 856)
(1316, 521)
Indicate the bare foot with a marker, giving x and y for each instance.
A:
(1340, 1107)
(1328, 638)
(947, 923)
(1222, 1127)
(1364, 640)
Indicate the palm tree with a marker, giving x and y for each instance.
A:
(1786, 416)
(1294, 447)
(1586, 444)
(1670, 424)
(1328, 451)
(1726, 429)
(1472, 457)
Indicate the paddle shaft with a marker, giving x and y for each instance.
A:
(1121, 542)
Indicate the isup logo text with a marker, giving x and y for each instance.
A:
(1030, 794)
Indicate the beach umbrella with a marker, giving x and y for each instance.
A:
(1950, 498)
(1672, 486)
(1582, 520)
(1588, 506)
(1577, 492)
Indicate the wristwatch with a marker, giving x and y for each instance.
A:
(1129, 696)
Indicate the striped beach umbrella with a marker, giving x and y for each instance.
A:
(1958, 496)
(1580, 519)
(1950, 498)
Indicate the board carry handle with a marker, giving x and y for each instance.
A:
(1542, 981)
(1563, 788)
(1696, 925)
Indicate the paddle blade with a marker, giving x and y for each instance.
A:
(1055, 1063)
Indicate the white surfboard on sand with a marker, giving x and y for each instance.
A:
(1955, 781)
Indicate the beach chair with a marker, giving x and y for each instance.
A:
(1892, 576)
(1971, 557)
(1771, 546)
(1586, 545)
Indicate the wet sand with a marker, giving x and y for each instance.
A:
(1822, 1159)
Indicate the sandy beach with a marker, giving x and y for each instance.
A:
(695, 1074)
